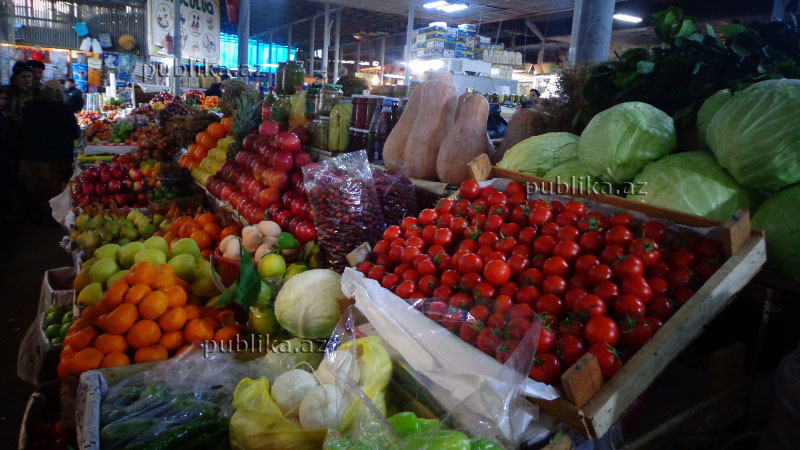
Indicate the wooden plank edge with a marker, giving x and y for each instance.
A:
(582, 380)
(735, 232)
(480, 167)
(687, 323)
(565, 412)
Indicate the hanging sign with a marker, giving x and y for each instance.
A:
(199, 29)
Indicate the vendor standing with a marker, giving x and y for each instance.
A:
(37, 69)
(73, 97)
(317, 84)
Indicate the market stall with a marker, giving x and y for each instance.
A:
(344, 267)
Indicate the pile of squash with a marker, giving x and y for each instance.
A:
(439, 132)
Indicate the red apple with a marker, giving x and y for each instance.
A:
(106, 200)
(288, 141)
(296, 179)
(262, 144)
(257, 214)
(226, 193)
(301, 159)
(92, 174)
(302, 134)
(87, 187)
(242, 158)
(105, 175)
(278, 180)
(134, 174)
(269, 156)
(82, 199)
(117, 172)
(100, 188)
(120, 199)
(269, 128)
(268, 197)
(236, 199)
(249, 142)
(283, 161)
(288, 197)
(114, 186)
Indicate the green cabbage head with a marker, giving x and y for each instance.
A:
(619, 141)
(708, 110)
(538, 154)
(308, 304)
(779, 216)
(691, 182)
(575, 174)
(755, 135)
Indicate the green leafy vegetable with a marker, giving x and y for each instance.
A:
(779, 216)
(691, 182)
(755, 137)
(619, 141)
(708, 110)
(538, 154)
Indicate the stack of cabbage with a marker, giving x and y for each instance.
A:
(753, 135)
(627, 147)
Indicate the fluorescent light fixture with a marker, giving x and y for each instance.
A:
(391, 75)
(436, 4)
(627, 18)
(453, 7)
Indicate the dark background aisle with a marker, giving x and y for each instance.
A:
(34, 249)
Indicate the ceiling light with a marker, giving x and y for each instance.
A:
(436, 4)
(453, 7)
(627, 18)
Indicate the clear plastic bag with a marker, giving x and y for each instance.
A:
(396, 194)
(345, 205)
(479, 392)
(191, 393)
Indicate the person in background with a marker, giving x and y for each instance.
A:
(37, 69)
(317, 81)
(46, 156)
(535, 95)
(216, 88)
(7, 163)
(73, 97)
(19, 91)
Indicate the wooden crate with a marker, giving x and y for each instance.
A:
(589, 405)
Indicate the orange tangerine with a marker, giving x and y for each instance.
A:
(115, 359)
(192, 311)
(163, 278)
(147, 354)
(121, 319)
(82, 339)
(136, 293)
(116, 292)
(175, 294)
(225, 334)
(143, 333)
(86, 359)
(172, 341)
(172, 320)
(153, 305)
(197, 330)
(109, 343)
(141, 273)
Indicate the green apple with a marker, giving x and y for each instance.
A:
(68, 316)
(123, 242)
(184, 266)
(147, 229)
(102, 270)
(151, 255)
(186, 246)
(158, 243)
(126, 253)
(89, 239)
(52, 331)
(129, 233)
(62, 332)
(81, 221)
(116, 277)
(262, 320)
(271, 265)
(107, 251)
(203, 286)
(91, 294)
(163, 226)
(157, 219)
(293, 270)
(133, 215)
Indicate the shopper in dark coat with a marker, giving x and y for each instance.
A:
(73, 97)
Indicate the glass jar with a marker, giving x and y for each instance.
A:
(359, 119)
(311, 103)
(328, 97)
(294, 75)
(279, 72)
(373, 101)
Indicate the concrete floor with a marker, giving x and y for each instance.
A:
(33, 249)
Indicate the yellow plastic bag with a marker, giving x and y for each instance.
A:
(258, 423)
(376, 372)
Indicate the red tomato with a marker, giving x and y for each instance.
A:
(408, 254)
(658, 285)
(568, 232)
(611, 254)
(405, 289)
(570, 348)
(427, 284)
(659, 269)
(484, 290)
(494, 223)
(576, 207)
(567, 249)
(506, 245)
(628, 266)
(571, 298)
(380, 248)
(392, 232)
(521, 310)
(601, 329)
(376, 273)
(444, 220)
(621, 218)
(527, 295)
(470, 263)
(546, 368)
(364, 267)
(681, 258)
(471, 280)
(637, 285)
(572, 325)
(519, 327)
(531, 276)
(427, 217)
(479, 312)
(591, 304)
(469, 189)
(469, 331)
(580, 281)
(442, 292)
(636, 333)
(566, 218)
(662, 307)
(527, 235)
(409, 222)
(488, 340)
(594, 221)
(540, 216)
(606, 290)
(682, 295)
(654, 230)
(645, 249)
(600, 273)
(679, 277)
(584, 263)
(509, 229)
(554, 284)
(629, 305)
(608, 359)
(443, 237)
(458, 225)
(517, 264)
(709, 249)
(449, 278)
(428, 233)
(550, 304)
(556, 265)
(619, 235)
(410, 275)
(514, 187)
(510, 289)
(503, 304)
(654, 322)
(591, 242)
(550, 229)
(390, 281)
(519, 215)
(544, 245)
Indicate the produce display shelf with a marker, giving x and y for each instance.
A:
(92, 149)
(593, 407)
(223, 209)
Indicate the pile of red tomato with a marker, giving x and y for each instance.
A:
(490, 263)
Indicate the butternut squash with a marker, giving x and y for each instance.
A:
(434, 119)
(395, 145)
(461, 99)
(524, 124)
(466, 140)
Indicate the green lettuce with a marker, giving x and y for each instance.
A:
(691, 182)
(618, 142)
(708, 110)
(755, 136)
(779, 216)
(538, 154)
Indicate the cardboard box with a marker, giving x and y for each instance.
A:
(434, 43)
(449, 53)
